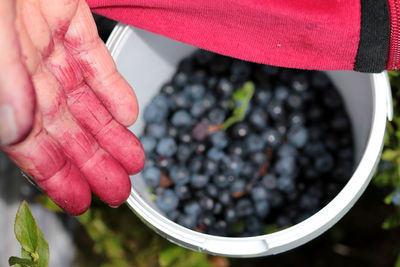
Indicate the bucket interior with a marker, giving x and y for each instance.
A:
(148, 70)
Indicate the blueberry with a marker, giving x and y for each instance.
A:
(297, 135)
(286, 166)
(294, 101)
(281, 93)
(154, 114)
(182, 191)
(219, 228)
(179, 175)
(308, 202)
(264, 72)
(222, 180)
(259, 158)
(254, 143)
(152, 176)
(230, 215)
(271, 137)
(184, 152)
(167, 200)
(219, 139)
(198, 77)
(296, 118)
(238, 188)
(195, 91)
(205, 221)
(216, 116)
(180, 100)
(148, 143)
(209, 100)
(225, 198)
(149, 163)
(212, 190)
(217, 208)
(195, 164)
(215, 154)
(248, 170)
(192, 208)
(206, 203)
(187, 221)
(224, 88)
(275, 110)
(162, 101)
(236, 149)
(286, 184)
(315, 113)
(244, 207)
(173, 215)
(283, 221)
(156, 130)
(211, 82)
(314, 149)
(180, 79)
(262, 97)
(258, 118)
(168, 89)
(300, 83)
(340, 122)
(199, 180)
(276, 199)
(253, 225)
(181, 118)
(240, 130)
(166, 147)
(165, 162)
(287, 150)
(210, 167)
(232, 165)
(172, 131)
(198, 109)
(258, 194)
(262, 208)
(324, 163)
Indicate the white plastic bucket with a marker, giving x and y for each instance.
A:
(148, 60)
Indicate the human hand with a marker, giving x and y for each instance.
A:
(63, 105)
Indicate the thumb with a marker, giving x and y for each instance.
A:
(17, 97)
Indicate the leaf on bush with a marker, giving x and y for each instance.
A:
(392, 221)
(389, 154)
(34, 247)
(170, 256)
(20, 261)
(46, 202)
(25, 228)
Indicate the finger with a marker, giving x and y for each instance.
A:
(100, 73)
(17, 99)
(42, 158)
(92, 115)
(106, 177)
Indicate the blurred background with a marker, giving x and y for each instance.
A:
(369, 235)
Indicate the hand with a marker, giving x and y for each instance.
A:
(63, 105)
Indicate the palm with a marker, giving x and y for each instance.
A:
(79, 142)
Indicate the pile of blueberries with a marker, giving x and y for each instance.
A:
(288, 157)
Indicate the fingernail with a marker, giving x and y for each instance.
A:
(8, 125)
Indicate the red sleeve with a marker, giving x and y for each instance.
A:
(306, 34)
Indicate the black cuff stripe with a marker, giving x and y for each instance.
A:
(373, 48)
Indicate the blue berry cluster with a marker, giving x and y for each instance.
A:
(289, 156)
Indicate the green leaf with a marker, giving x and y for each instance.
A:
(392, 221)
(25, 228)
(388, 198)
(24, 262)
(169, 256)
(43, 251)
(397, 264)
(239, 102)
(46, 202)
(389, 154)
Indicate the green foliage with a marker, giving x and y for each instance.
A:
(239, 102)
(388, 174)
(34, 247)
(116, 237)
